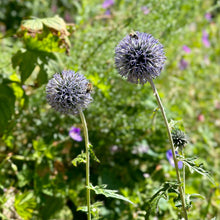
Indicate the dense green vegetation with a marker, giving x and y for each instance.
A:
(40, 38)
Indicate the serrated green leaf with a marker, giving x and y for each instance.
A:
(195, 166)
(81, 158)
(163, 192)
(92, 154)
(46, 34)
(56, 23)
(107, 192)
(34, 24)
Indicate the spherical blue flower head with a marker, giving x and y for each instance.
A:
(67, 92)
(138, 57)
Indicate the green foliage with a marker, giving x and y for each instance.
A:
(108, 192)
(195, 166)
(25, 205)
(7, 105)
(95, 207)
(124, 123)
(47, 34)
(163, 192)
(81, 158)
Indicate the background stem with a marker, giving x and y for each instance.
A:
(184, 174)
(85, 131)
(172, 147)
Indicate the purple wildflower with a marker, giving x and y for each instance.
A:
(139, 57)
(208, 16)
(67, 92)
(108, 12)
(169, 155)
(74, 133)
(186, 49)
(205, 39)
(107, 3)
(145, 9)
(183, 64)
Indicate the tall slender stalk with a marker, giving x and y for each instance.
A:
(85, 131)
(172, 147)
(184, 174)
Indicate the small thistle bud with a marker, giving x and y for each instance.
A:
(138, 57)
(67, 92)
(179, 138)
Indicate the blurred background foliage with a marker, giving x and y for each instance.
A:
(37, 178)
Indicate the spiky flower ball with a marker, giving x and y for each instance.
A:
(139, 56)
(69, 91)
(179, 138)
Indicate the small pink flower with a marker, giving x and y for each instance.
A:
(186, 49)
(217, 104)
(201, 117)
(54, 8)
(107, 3)
(145, 9)
(208, 16)
(205, 39)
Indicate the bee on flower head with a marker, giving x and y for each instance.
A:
(133, 35)
(89, 88)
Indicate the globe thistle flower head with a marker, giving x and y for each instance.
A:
(179, 138)
(69, 91)
(138, 57)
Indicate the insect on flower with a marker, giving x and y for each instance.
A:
(133, 35)
(89, 88)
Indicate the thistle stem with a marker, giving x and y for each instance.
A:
(85, 131)
(172, 147)
(184, 175)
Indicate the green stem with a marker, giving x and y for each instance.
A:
(184, 175)
(172, 147)
(85, 131)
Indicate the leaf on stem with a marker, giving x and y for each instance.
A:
(188, 200)
(108, 192)
(94, 209)
(92, 154)
(194, 166)
(81, 158)
(163, 192)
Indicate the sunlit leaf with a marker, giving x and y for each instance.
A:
(46, 34)
(81, 158)
(25, 205)
(108, 193)
(195, 166)
(92, 154)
